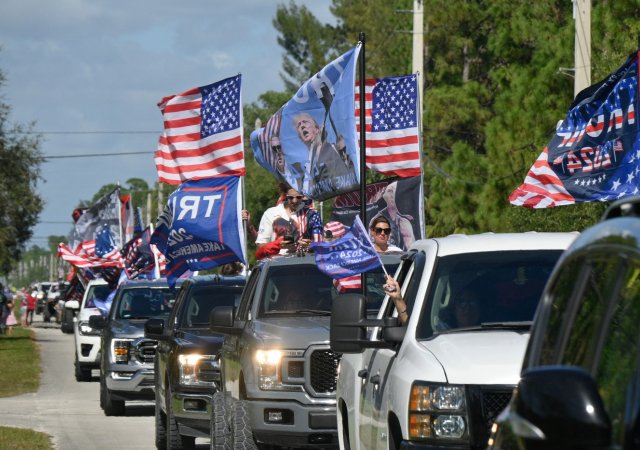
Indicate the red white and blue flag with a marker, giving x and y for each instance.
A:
(595, 153)
(200, 226)
(392, 126)
(85, 256)
(202, 133)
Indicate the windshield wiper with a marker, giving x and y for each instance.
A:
(316, 312)
(515, 325)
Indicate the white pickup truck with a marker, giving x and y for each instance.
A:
(439, 380)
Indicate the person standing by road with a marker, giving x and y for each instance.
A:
(4, 310)
(31, 307)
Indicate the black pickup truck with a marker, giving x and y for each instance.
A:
(186, 364)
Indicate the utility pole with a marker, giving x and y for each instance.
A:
(418, 47)
(582, 49)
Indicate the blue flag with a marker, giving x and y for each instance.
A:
(104, 241)
(311, 142)
(200, 228)
(349, 255)
(595, 153)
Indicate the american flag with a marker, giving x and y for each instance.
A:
(85, 256)
(343, 285)
(272, 128)
(392, 127)
(595, 153)
(202, 133)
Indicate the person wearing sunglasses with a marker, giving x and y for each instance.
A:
(380, 229)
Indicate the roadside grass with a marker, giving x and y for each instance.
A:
(22, 439)
(20, 362)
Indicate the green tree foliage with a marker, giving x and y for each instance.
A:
(20, 204)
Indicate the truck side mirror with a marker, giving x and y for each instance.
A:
(97, 322)
(221, 320)
(154, 328)
(560, 405)
(347, 334)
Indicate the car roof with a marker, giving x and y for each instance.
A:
(474, 243)
(311, 259)
(156, 283)
(221, 280)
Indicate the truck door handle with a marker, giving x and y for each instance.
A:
(375, 379)
(363, 373)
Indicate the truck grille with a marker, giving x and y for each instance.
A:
(145, 350)
(324, 371)
(487, 402)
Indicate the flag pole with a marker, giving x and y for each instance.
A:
(363, 152)
(120, 215)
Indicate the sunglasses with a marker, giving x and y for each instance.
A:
(291, 197)
(386, 231)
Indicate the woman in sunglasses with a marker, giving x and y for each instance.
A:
(380, 232)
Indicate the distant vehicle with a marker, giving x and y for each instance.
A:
(187, 370)
(87, 339)
(580, 385)
(126, 355)
(40, 293)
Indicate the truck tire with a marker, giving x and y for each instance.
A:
(110, 406)
(242, 433)
(82, 373)
(220, 429)
(67, 321)
(161, 425)
(175, 440)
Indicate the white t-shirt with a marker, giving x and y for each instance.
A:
(265, 229)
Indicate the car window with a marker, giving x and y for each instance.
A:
(485, 288)
(97, 291)
(617, 369)
(294, 288)
(144, 303)
(375, 279)
(203, 299)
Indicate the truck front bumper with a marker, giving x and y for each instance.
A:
(292, 424)
(129, 385)
(192, 411)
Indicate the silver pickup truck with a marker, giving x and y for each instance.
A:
(278, 372)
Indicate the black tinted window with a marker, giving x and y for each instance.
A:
(145, 302)
(203, 299)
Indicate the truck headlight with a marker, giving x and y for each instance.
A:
(86, 330)
(120, 350)
(437, 411)
(198, 370)
(268, 369)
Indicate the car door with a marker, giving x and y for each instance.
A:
(231, 351)
(379, 364)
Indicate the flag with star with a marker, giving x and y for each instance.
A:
(595, 153)
(202, 133)
(392, 128)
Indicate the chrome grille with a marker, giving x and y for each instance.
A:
(144, 350)
(324, 371)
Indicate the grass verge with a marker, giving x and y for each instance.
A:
(20, 362)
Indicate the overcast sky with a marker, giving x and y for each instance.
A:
(79, 68)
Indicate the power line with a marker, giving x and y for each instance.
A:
(97, 155)
(87, 132)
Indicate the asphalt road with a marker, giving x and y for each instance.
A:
(70, 411)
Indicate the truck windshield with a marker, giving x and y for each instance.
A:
(203, 299)
(144, 303)
(486, 290)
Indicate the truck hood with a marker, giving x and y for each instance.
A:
(291, 332)
(485, 357)
(128, 328)
(202, 340)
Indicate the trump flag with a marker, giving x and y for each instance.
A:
(202, 133)
(349, 255)
(595, 153)
(201, 227)
(311, 143)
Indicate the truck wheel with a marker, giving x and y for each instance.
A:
(110, 406)
(161, 425)
(82, 373)
(176, 441)
(242, 434)
(220, 429)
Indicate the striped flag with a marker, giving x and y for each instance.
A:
(85, 256)
(343, 285)
(202, 133)
(392, 127)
